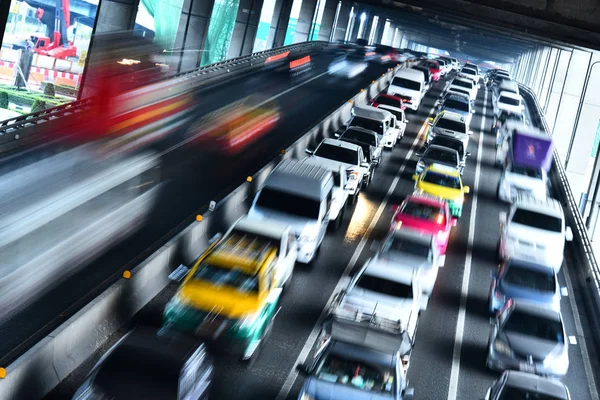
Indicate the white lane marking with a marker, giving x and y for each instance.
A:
(587, 364)
(572, 340)
(564, 292)
(460, 323)
(291, 378)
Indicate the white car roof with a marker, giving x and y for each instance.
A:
(341, 143)
(452, 116)
(510, 95)
(372, 113)
(390, 271)
(547, 206)
(268, 227)
(411, 74)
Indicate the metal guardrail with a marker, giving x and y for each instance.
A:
(588, 270)
(24, 130)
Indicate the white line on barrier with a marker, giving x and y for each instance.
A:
(291, 378)
(460, 323)
(587, 364)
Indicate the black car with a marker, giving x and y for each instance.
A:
(455, 144)
(148, 365)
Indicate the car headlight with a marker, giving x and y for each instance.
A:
(306, 396)
(502, 347)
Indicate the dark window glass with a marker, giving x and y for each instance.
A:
(370, 124)
(289, 203)
(234, 278)
(512, 393)
(533, 325)
(337, 153)
(537, 220)
(360, 136)
(388, 102)
(442, 180)
(406, 83)
(530, 278)
(468, 85)
(423, 211)
(444, 156)
(509, 101)
(457, 105)
(451, 125)
(384, 286)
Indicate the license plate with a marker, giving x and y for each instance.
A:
(525, 367)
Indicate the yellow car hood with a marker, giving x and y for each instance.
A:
(220, 299)
(440, 191)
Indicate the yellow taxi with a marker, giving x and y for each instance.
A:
(445, 182)
(231, 294)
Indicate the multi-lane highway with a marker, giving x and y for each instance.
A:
(448, 361)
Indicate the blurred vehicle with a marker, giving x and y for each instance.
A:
(434, 69)
(509, 102)
(147, 365)
(445, 65)
(351, 158)
(458, 104)
(65, 211)
(534, 230)
(340, 192)
(232, 128)
(386, 54)
(440, 155)
(388, 100)
(524, 280)
(377, 120)
(472, 66)
(452, 143)
(411, 252)
(409, 85)
(527, 161)
(505, 123)
(528, 338)
(231, 294)
(348, 66)
(444, 182)
(359, 356)
(522, 385)
(367, 140)
(449, 124)
(292, 65)
(299, 195)
(462, 85)
(427, 214)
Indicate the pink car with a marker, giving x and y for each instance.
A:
(425, 213)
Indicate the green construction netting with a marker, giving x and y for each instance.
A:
(166, 14)
(220, 30)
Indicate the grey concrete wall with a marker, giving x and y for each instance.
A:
(342, 22)
(115, 15)
(244, 29)
(547, 78)
(308, 10)
(564, 58)
(280, 22)
(191, 32)
(328, 19)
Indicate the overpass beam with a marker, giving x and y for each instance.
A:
(329, 20)
(192, 31)
(304, 26)
(114, 15)
(281, 20)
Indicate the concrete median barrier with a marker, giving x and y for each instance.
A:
(41, 368)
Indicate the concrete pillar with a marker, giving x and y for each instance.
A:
(366, 32)
(556, 88)
(379, 30)
(549, 78)
(280, 21)
(307, 15)
(329, 15)
(192, 30)
(115, 15)
(342, 21)
(542, 68)
(357, 23)
(245, 27)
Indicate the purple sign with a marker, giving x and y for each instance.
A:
(532, 151)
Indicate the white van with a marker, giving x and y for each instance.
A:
(408, 84)
(509, 86)
(299, 195)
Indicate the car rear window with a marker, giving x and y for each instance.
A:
(508, 100)
(230, 277)
(536, 279)
(406, 83)
(289, 203)
(457, 105)
(527, 171)
(337, 153)
(370, 124)
(460, 91)
(445, 156)
(537, 220)
(464, 84)
(403, 245)
(436, 178)
(452, 125)
(384, 286)
(360, 136)
(388, 102)
(423, 211)
(534, 325)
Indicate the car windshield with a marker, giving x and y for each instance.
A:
(465, 84)
(537, 220)
(431, 64)
(513, 393)
(441, 155)
(406, 246)
(231, 277)
(451, 125)
(423, 211)
(388, 102)
(436, 178)
(406, 83)
(457, 105)
(367, 123)
(289, 203)
(537, 279)
(384, 286)
(337, 153)
(343, 371)
(399, 114)
(534, 325)
(460, 91)
(452, 144)
(360, 136)
(469, 71)
(509, 100)
(527, 171)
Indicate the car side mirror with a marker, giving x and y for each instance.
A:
(502, 217)
(454, 222)
(468, 154)
(568, 234)
(415, 177)
(179, 273)
(466, 190)
(365, 164)
(307, 151)
(302, 369)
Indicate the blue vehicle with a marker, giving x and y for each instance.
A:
(456, 103)
(524, 280)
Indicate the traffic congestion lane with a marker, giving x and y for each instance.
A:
(303, 303)
(191, 179)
